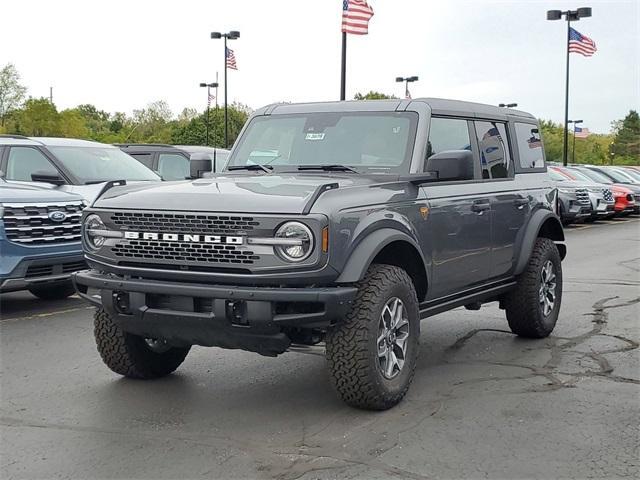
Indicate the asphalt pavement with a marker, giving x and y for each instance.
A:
(483, 404)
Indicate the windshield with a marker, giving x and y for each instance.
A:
(376, 142)
(631, 173)
(556, 176)
(101, 164)
(620, 176)
(597, 176)
(579, 175)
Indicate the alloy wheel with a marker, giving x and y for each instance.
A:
(547, 292)
(393, 336)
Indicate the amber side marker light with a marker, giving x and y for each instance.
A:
(325, 239)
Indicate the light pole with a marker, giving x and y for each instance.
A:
(573, 153)
(232, 35)
(570, 16)
(507, 105)
(209, 86)
(406, 81)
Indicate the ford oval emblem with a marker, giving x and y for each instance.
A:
(57, 216)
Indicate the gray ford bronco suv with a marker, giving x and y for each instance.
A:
(342, 224)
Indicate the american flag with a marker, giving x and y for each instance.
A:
(355, 17)
(231, 59)
(581, 44)
(211, 98)
(579, 132)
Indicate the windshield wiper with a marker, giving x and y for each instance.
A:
(253, 166)
(327, 168)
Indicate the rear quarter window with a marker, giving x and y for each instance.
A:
(529, 143)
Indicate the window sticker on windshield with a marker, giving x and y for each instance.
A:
(314, 136)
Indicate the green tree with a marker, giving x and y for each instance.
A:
(626, 143)
(72, 124)
(193, 132)
(38, 118)
(11, 91)
(373, 96)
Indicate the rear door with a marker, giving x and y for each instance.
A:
(509, 205)
(459, 225)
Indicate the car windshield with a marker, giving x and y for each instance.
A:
(596, 176)
(556, 176)
(578, 175)
(376, 142)
(624, 176)
(101, 164)
(632, 173)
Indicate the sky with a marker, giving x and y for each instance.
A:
(121, 55)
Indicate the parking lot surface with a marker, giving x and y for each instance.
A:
(483, 404)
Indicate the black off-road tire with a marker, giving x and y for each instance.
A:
(524, 312)
(130, 355)
(351, 347)
(53, 291)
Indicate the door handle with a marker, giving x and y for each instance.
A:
(520, 202)
(480, 206)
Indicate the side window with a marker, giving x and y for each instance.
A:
(447, 134)
(529, 145)
(494, 150)
(23, 161)
(172, 166)
(144, 158)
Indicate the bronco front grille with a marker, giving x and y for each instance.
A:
(203, 253)
(34, 224)
(607, 195)
(183, 222)
(582, 196)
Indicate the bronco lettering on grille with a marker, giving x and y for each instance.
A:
(180, 237)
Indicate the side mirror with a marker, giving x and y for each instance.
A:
(199, 167)
(47, 177)
(451, 165)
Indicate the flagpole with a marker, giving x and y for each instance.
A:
(343, 80)
(565, 143)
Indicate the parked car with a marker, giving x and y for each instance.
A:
(369, 217)
(39, 240)
(625, 202)
(600, 195)
(177, 162)
(574, 204)
(68, 165)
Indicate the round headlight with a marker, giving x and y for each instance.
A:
(92, 224)
(302, 244)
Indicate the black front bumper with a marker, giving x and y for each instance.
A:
(258, 319)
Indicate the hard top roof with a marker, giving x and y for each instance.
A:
(439, 106)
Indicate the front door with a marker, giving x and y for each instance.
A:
(459, 226)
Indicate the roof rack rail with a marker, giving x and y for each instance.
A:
(143, 145)
(13, 135)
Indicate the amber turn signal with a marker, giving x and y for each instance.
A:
(325, 239)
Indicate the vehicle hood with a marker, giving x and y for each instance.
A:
(286, 194)
(21, 193)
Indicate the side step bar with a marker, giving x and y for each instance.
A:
(434, 307)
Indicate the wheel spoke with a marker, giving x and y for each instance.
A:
(391, 363)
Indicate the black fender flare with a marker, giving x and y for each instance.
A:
(365, 252)
(532, 232)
